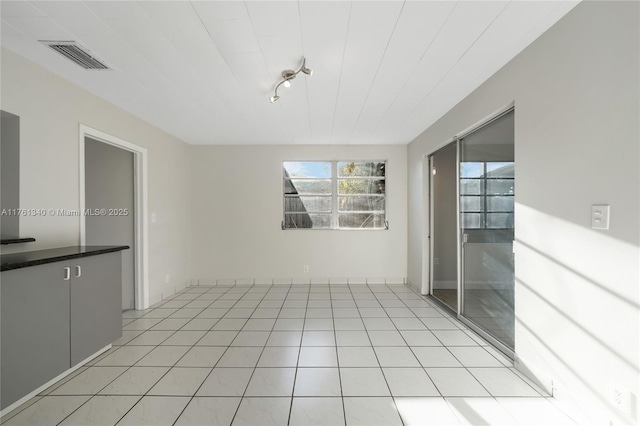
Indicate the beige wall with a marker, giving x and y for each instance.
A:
(51, 110)
(237, 213)
(576, 93)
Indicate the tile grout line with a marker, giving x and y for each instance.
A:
(263, 347)
(214, 366)
(93, 363)
(335, 337)
(160, 378)
(395, 405)
(295, 376)
(461, 363)
(164, 375)
(414, 354)
(381, 297)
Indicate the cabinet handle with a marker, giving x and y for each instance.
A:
(67, 273)
(78, 271)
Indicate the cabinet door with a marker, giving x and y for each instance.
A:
(34, 306)
(96, 314)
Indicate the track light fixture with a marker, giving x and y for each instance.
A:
(287, 76)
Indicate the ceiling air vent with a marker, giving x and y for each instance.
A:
(78, 54)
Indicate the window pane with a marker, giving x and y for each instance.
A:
(472, 220)
(360, 186)
(471, 204)
(471, 169)
(307, 221)
(361, 203)
(309, 191)
(309, 169)
(471, 186)
(500, 186)
(500, 204)
(307, 204)
(500, 220)
(361, 220)
(307, 186)
(361, 168)
(500, 169)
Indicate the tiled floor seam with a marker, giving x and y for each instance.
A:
(148, 390)
(335, 337)
(385, 296)
(258, 359)
(295, 376)
(193, 346)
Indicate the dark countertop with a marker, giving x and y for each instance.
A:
(40, 257)
(17, 240)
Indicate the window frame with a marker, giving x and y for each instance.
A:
(284, 193)
(335, 196)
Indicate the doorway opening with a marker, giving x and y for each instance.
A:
(113, 180)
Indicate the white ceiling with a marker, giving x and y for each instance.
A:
(203, 71)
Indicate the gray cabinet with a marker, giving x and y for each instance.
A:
(34, 347)
(10, 173)
(96, 314)
(53, 316)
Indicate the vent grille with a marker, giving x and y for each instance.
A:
(78, 54)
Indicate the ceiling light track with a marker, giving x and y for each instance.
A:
(287, 76)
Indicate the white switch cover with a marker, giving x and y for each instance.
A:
(600, 216)
(154, 218)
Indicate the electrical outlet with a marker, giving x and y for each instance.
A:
(167, 279)
(154, 218)
(305, 268)
(436, 260)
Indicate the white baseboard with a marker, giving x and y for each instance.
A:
(294, 281)
(168, 292)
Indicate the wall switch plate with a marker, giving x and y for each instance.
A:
(600, 216)
(622, 399)
(305, 268)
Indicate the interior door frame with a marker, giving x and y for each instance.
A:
(140, 191)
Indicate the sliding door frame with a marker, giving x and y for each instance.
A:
(460, 235)
(429, 161)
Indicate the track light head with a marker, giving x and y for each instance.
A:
(287, 76)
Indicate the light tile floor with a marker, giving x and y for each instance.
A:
(293, 355)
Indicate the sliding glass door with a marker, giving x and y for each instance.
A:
(487, 189)
(444, 226)
(472, 189)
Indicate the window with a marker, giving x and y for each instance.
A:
(334, 195)
(308, 194)
(487, 195)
